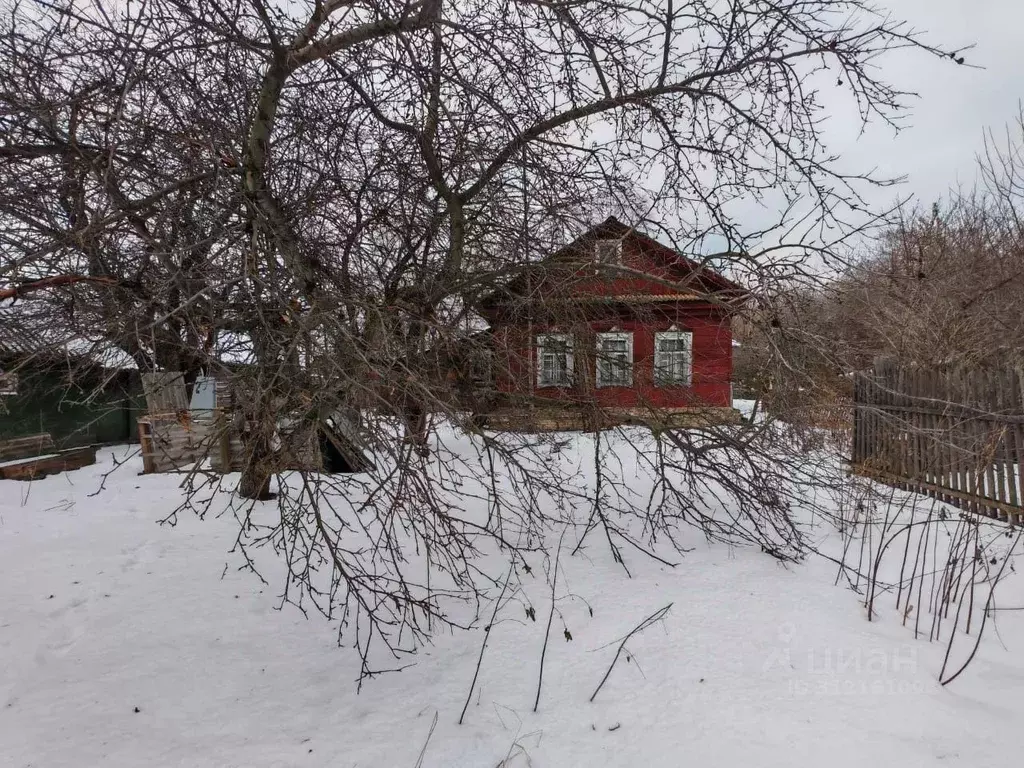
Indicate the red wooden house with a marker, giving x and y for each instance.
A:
(615, 327)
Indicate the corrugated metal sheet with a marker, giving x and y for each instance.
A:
(28, 329)
(35, 328)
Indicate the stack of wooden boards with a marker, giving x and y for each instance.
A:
(35, 456)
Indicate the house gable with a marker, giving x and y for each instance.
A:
(641, 271)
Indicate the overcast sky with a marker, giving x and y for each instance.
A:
(945, 129)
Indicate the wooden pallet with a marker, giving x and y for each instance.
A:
(170, 441)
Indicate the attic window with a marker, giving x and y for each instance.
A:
(608, 251)
(8, 384)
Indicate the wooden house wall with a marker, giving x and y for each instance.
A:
(515, 359)
(646, 268)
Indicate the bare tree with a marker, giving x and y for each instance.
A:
(333, 188)
(939, 286)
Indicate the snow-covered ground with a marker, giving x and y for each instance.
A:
(128, 643)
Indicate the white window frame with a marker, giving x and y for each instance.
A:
(8, 384)
(545, 340)
(608, 252)
(661, 363)
(613, 336)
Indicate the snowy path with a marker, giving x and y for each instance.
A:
(122, 645)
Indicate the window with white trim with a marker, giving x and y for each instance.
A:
(608, 251)
(673, 358)
(8, 384)
(554, 360)
(615, 359)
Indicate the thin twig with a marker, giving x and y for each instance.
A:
(483, 645)
(423, 752)
(984, 616)
(654, 617)
(551, 615)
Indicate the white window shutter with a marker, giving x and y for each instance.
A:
(673, 358)
(569, 370)
(554, 360)
(688, 359)
(629, 359)
(660, 363)
(614, 359)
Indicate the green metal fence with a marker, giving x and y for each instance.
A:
(75, 410)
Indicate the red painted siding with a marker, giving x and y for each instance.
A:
(712, 361)
(657, 271)
(647, 268)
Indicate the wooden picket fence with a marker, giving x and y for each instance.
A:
(956, 435)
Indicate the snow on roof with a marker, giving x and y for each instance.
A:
(36, 328)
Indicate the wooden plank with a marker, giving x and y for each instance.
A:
(23, 459)
(996, 387)
(26, 446)
(885, 433)
(224, 440)
(165, 392)
(992, 436)
(1012, 450)
(986, 477)
(941, 436)
(940, 473)
(902, 424)
(1008, 443)
(983, 445)
(912, 427)
(908, 389)
(922, 447)
(882, 449)
(856, 455)
(345, 442)
(897, 422)
(41, 466)
(962, 410)
(865, 420)
(935, 436)
(944, 455)
(960, 437)
(969, 453)
(956, 440)
(146, 446)
(1016, 384)
(869, 420)
(170, 443)
(948, 438)
(904, 384)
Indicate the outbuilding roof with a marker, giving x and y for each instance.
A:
(36, 329)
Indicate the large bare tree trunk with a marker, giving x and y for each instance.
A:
(255, 481)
